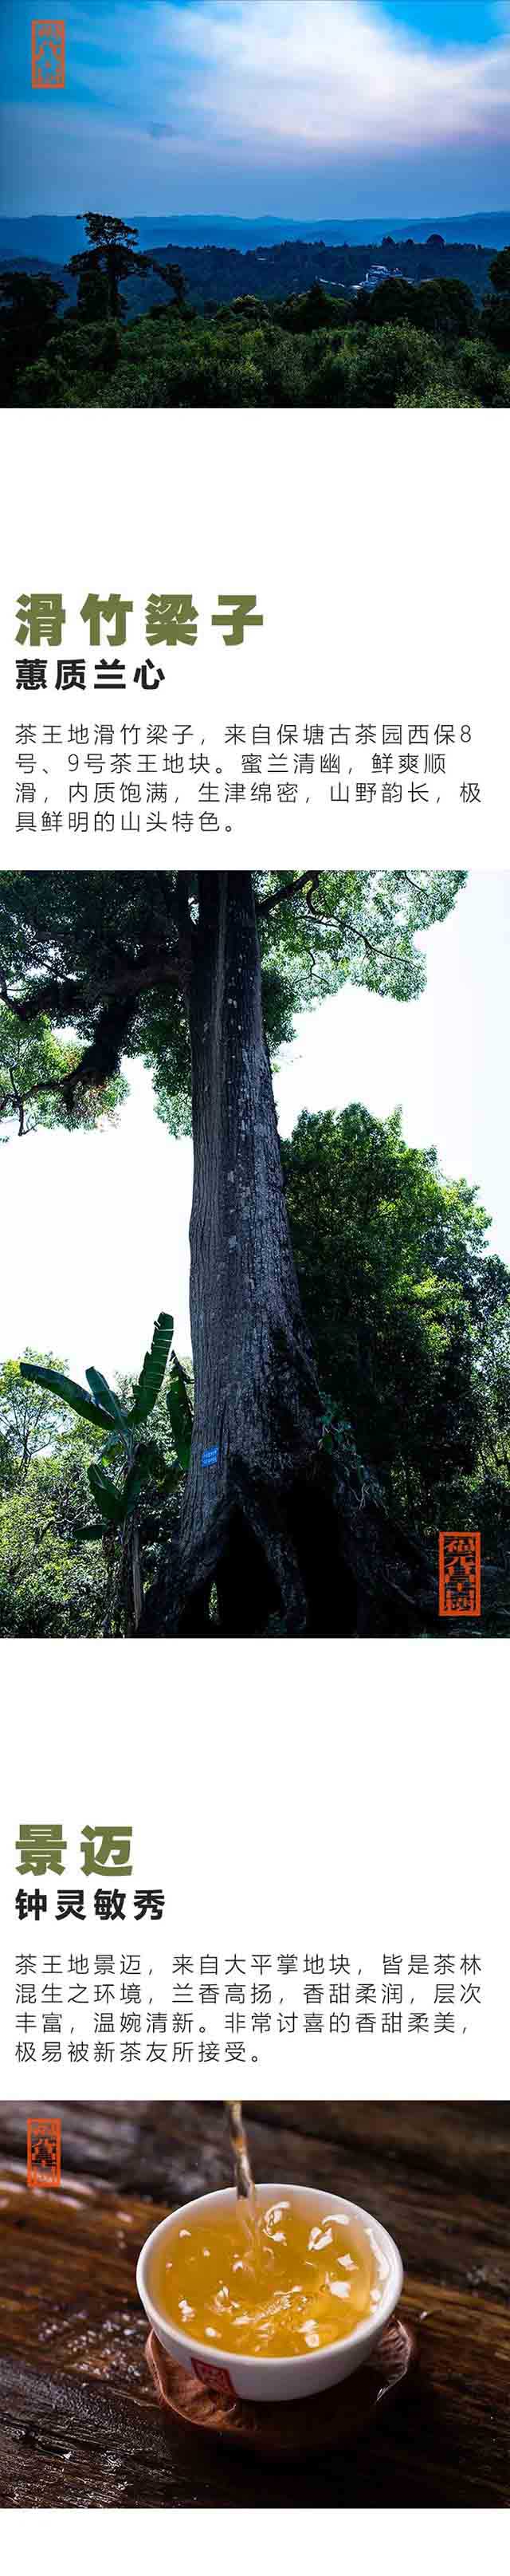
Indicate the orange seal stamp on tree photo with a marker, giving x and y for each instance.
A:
(459, 1574)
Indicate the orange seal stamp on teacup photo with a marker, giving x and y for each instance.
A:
(43, 2154)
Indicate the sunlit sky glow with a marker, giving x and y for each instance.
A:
(96, 1225)
(263, 107)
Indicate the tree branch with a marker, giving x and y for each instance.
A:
(306, 884)
(62, 1000)
(310, 877)
(99, 1062)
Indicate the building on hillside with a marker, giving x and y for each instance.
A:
(378, 276)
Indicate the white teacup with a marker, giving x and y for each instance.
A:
(305, 2374)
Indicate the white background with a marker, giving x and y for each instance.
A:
(285, 1795)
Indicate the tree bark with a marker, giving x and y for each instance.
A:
(268, 1520)
(257, 1406)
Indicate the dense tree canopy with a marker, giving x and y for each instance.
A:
(29, 1421)
(111, 256)
(108, 959)
(28, 313)
(48, 1586)
(62, 1568)
(34, 1063)
(419, 340)
(410, 1313)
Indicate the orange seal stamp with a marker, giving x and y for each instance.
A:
(43, 2154)
(48, 53)
(459, 1574)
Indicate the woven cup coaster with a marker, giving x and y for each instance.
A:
(295, 2430)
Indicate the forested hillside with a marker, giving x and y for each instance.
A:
(287, 325)
(217, 273)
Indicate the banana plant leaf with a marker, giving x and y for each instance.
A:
(179, 1409)
(151, 1376)
(110, 1503)
(103, 1394)
(70, 1393)
(90, 1530)
(140, 1475)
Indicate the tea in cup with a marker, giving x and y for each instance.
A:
(274, 2296)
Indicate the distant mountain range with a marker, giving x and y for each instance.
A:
(55, 237)
(217, 272)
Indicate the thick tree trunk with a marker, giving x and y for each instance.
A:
(257, 1407)
(267, 1518)
(124, 1607)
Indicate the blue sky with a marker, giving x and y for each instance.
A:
(446, 22)
(252, 107)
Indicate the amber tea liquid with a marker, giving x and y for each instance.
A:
(270, 2276)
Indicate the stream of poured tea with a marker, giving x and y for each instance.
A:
(243, 2176)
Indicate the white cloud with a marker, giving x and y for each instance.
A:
(328, 77)
(263, 101)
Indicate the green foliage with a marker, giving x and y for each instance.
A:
(485, 372)
(61, 1573)
(110, 1503)
(34, 1069)
(499, 271)
(495, 314)
(111, 257)
(28, 311)
(150, 1382)
(443, 306)
(306, 341)
(495, 324)
(29, 1416)
(140, 1467)
(410, 1317)
(49, 1587)
(62, 934)
(375, 368)
(65, 1388)
(137, 1465)
(315, 311)
(172, 275)
(359, 926)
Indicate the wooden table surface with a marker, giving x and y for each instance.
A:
(79, 2424)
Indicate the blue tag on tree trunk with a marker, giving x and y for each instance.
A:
(209, 1457)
